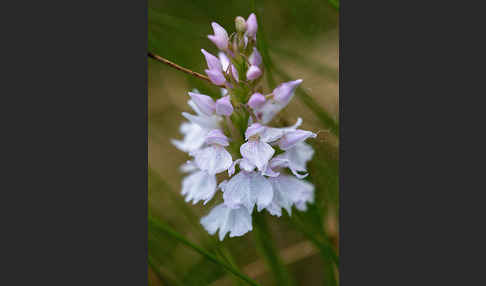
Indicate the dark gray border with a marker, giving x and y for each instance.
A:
(76, 75)
(410, 212)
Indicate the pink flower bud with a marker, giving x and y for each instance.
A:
(220, 37)
(290, 139)
(216, 136)
(251, 26)
(256, 100)
(223, 106)
(255, 58)
(204, 103)
(253, 72)
(285, 91)
(240, 24)
(212, 61)
(216, 77)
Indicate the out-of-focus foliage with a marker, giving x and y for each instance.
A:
(298, 39)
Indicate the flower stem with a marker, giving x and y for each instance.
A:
(178, 67)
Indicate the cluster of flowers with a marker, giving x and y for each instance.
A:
(257, 176)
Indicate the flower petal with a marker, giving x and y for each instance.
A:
(199, 186)
(223, 106)
(281, 161)
(203, 121)
(269, 109)
(220, 37)
(203, 102)
(224, 60)
(271, 134)
(253, 73)
(248, 189)
(255, 58)
(262, 190)
(235, 221)
(216, 76)
(258, 153)
(291, 138)
(287, 191)
(246, 165)
(188, 167)
(298, 156)
(285, 91)
(216, 136)
(212, 61)
(254, 129)
(251, 26)
(213, 159)
(282, 197)
(193, 137)
(256, 100)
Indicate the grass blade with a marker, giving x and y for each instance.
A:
(334, 3)
(172, 233)
(265, 244)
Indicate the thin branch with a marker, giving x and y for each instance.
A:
(177, 67)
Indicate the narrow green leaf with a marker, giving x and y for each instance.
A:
(172, 233)
(334, 3)
(264, 242)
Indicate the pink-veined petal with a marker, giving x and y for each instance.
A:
(213, 159)
(258, 153)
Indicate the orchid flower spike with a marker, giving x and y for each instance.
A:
(268, 171)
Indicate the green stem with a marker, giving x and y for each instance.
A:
(165, 228)
(226, 255)
(264, 241)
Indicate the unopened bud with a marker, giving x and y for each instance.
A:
(240, 24)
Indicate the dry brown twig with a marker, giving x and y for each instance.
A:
(176, 66)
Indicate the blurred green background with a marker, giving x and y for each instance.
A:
(299, 40)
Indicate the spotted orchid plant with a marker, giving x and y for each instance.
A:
(233, 148)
